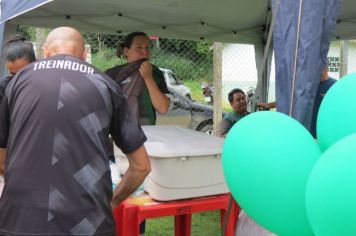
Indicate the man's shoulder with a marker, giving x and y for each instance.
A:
(233, 116)
(3, 84)
(328, 83)
(229, 116)
(332, 80)
(4, 81)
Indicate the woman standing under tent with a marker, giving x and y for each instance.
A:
(142, 83)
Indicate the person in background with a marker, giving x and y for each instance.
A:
(144, 85)
(57, 176)
(325, 84)
(17, 53)
(237, 99)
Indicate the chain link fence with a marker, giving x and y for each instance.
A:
(189, 61)
(188, 69)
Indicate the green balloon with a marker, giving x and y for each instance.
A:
(337, 112)
(331, 191)
(267, 158)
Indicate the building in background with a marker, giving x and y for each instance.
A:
(239, 67)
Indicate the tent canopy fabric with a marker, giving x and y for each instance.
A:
(229, 21)
(220, 21)
(11, 9)
(235, 21)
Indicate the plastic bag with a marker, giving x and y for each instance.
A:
(116, 178)
(248, 227)
(115, 175)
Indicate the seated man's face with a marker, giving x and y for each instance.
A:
(15, 66)
(238, 103)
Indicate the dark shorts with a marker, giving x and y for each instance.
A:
(142, 227)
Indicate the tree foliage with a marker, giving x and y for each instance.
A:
(104, 41)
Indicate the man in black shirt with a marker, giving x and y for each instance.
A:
(55, 119)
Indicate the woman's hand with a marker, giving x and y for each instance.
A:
(159, 100)
(146, 70)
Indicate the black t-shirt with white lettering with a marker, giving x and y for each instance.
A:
(54, 122)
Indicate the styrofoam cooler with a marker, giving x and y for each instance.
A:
(184, 163)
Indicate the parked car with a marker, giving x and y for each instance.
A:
(174, 83)
(187, 113)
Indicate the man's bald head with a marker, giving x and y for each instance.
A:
(65, 40)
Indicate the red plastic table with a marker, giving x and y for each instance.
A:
(128, 215)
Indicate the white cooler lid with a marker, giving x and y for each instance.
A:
(164, 141)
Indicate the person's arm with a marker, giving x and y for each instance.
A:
(139, 168)
(269, 105)
(159, 100)
(224, 127)
(4, 132)
(2, 160)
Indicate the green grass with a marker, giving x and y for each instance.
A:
(203, 224)
(106, 59)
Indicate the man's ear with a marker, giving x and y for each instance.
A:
(45, 52)
(85, 54)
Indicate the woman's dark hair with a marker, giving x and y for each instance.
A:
(230, 96)
(16, 48)
(127, 42)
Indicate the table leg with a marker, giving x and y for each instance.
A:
(232, 219)
(230, 227)
(182, 225)
(127, 220)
